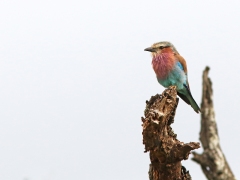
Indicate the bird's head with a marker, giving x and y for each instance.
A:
(161, 47)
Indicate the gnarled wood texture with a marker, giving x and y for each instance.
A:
(166, 152)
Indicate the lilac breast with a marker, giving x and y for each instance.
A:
(163, 64)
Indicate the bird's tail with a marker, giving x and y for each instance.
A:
(189, 99)
(194, 104)
(192, 101)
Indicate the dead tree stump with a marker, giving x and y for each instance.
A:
(212, 161)
(166, 152)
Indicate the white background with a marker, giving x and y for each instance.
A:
(74, 80)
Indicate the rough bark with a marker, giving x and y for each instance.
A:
(213, 162)
(166, 152)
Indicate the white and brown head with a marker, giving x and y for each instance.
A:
(161, 47)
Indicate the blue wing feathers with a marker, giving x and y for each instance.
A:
(180, 65)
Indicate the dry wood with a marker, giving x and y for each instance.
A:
(212, 160)
(166, 152)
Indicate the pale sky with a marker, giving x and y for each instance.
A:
(74, 80)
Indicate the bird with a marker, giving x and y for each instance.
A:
(171, 70)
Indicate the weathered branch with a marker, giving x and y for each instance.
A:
(212, 160)
(166, 152)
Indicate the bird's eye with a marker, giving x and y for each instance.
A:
(161, 47)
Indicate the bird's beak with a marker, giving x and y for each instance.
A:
(150, 49)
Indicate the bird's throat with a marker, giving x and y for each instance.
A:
(163, 64)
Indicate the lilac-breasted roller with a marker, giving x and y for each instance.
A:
(171, 70)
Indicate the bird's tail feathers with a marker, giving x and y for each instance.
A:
(192, 101)
(194, 104)
(183, 97)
